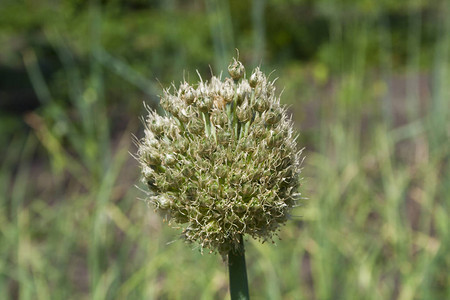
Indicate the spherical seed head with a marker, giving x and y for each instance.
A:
(223, 164)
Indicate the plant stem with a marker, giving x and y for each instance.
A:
(238, 273)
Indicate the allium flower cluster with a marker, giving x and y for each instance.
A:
(223, 161)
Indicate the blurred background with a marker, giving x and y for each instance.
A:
(368, 85)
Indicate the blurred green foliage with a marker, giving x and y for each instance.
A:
(367, 83)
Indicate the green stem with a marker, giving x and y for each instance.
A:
(207, 123)
(238, 273)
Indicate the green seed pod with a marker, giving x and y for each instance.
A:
(261, 104)
(153, 157)
(247, 190)
(224, 138)
(274, 139)
(214, 189)
(205, 104)
(259, 132)
(147, 172)
(172, 131)
(180, 145)
(227, 91)
(219, 117)
(236, 69)
(256, 78)
(165, 103)
(189, 97)
(157, 126)
(186, 93)
(169, 159)
(195, 126)
(272, 117)
(162, 202)
(244, 113)
(182, 115)
(222, 171)
(243, 93)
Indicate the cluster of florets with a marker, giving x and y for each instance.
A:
(223, 161)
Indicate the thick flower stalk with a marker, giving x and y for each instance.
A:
(223, 161)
